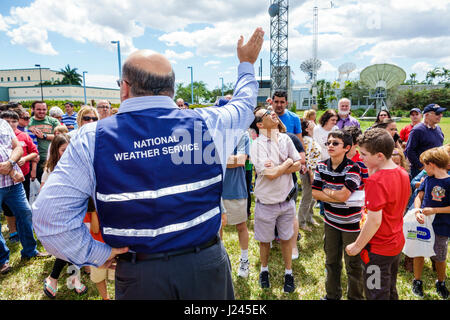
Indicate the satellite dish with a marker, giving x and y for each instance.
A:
(308, 67)
(346, 68)
(274, 9)
(380, 78)
(384, 76)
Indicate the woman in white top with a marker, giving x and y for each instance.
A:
(327, 123)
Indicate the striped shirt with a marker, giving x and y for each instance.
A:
(70, 120)
(6, 137)
(347, 174)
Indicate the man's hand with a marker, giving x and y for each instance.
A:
(5, 167)
(250, 51)
(21, 162)
(114, 253)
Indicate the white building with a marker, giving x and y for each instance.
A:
(24, 85)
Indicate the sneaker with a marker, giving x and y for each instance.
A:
(442, 290)
(289, 285)
(294, 253)
(243, 268)
(264, 279)
(417, 288)
(5, 268)
(14, 237)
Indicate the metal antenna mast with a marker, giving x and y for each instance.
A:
(279, 69)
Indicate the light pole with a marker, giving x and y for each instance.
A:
(118, 55)
(192, 84)
(84, 86)
(222, 85)
(40, 80)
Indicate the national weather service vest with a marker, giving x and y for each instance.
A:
(158, 184)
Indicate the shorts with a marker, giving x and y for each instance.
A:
(100, 274)
(267, 216)
(236, 211)
(440, 248)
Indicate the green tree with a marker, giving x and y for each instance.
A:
(201, 92)
(71, 76)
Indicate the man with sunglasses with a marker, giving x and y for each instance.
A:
(424, 136)
(42, 126)
(158, 197)
(275, 159)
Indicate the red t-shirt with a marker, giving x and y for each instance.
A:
(28, 147)
(96, 236)
(404, 133)
(388, 190)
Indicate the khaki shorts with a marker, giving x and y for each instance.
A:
(236, 211)
(267, 216)
(100, 274)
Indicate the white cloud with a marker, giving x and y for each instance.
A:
(211, 63)
(101, 80)
(170, 54)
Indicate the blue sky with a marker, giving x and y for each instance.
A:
(412, 34)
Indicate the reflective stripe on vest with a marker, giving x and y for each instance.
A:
(152, 203)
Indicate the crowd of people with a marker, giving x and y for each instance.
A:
(170, 246)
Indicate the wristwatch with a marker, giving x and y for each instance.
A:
(12, 162)
(45, 136)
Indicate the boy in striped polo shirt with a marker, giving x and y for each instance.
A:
(335, 179)
(70, 117)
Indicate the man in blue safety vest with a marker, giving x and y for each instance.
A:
(155, 173)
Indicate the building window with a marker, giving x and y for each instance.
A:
(29, 78)
(21, 78)
(9, 79)
(2, 79)
(15, 78)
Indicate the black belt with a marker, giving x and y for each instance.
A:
(139, 256)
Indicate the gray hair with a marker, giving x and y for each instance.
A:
(143, 83)
(55, 112)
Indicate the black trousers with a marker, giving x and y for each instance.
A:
(380, 277)
(204, 275)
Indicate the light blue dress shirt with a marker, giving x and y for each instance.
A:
(60, 208)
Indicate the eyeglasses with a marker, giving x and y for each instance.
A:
(119, 82)
(333, 143)
(87, 118)
(102, 107)
(25, 118)
(267, 113)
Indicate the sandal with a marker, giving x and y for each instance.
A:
(49, 293)
(81, 289)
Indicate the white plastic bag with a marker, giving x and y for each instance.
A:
(419, 238)
(34, 190)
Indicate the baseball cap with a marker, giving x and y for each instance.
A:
(434, 107)
(415, 110)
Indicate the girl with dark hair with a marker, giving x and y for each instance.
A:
(383, 114)
(327, 123)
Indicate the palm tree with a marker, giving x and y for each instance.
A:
(71, 76)
(412, 78)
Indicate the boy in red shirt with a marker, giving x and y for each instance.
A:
(381, 240)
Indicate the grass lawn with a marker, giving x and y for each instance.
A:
(25, 280)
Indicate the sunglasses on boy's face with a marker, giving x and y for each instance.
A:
(333, 143)
(87, 118)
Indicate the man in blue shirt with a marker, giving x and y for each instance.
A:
(70, 117)
(424, 136)
(138, 220)
(234, 196)
(290, 120)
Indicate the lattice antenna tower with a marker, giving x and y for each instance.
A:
(279, 69)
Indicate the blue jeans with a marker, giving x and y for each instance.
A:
(14, 196)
